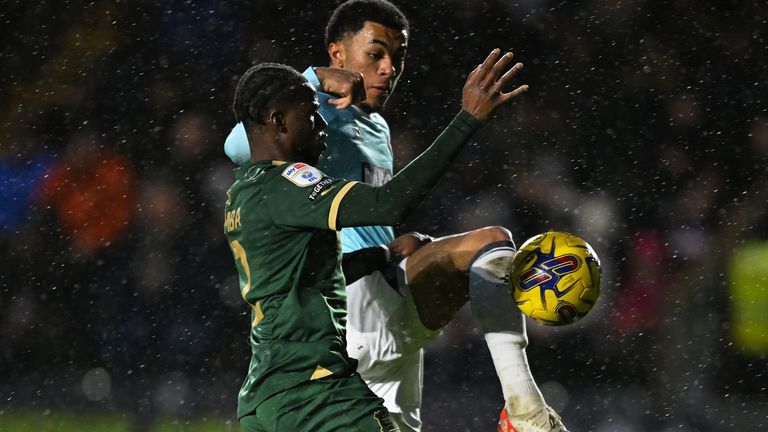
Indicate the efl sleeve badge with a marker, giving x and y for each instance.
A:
(302, 175)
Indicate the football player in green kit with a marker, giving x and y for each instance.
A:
(411, 286)
(281, 221)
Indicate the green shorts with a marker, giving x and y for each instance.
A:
(329, 404)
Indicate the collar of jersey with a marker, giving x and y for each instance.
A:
(264, 162)
(244, 167)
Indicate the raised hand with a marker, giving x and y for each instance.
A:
(482, 93)
(349, 86)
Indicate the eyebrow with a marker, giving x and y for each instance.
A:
(378, 42)
(384, 44)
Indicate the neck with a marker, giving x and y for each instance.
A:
(265, 147)
(364, 107)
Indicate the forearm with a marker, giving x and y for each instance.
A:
(320, 73)
(390, 203)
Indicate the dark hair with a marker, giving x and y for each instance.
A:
(262, 86)
(351, 15)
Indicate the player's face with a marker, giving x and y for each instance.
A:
(305, 126)
(378, 53)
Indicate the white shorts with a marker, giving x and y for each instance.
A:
(386, 336)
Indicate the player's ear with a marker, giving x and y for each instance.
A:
(337, 54)
(277, 121)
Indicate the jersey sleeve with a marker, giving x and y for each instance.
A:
(301, 196)
(388, 204)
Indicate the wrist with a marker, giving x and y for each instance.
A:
(469, 119)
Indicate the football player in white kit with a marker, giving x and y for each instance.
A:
(410, 287)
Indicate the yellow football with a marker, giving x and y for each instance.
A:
(555, 278)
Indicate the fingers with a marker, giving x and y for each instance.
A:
(484, 67)
(507, 77)
(485, 75)
(497, 68)
(514, 93)
(347, 101)
(341, 103)
(483, 92)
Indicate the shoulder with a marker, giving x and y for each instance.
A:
(255, 173)
(299, 174)
(379, 120)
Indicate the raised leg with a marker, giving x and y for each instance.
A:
(438, 273)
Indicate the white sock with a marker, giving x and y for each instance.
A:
(511, 365)
(503, 325)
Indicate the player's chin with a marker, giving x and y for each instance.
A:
(375, 103)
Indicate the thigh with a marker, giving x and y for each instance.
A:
(437, 273)
(329, 404)
(437, 278)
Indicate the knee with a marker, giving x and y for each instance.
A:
(475, 241)
(491, 234)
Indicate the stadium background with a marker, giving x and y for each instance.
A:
(645, 131)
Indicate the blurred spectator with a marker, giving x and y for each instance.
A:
(21, 178)
(639, 306)
(91, 190)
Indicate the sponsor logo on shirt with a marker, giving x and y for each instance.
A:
(302, 175)
(321, 188)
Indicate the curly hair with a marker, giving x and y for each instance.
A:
(351, 15)
(262, 86)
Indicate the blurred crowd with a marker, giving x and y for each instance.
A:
(645, 131)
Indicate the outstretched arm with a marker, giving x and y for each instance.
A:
(388, 204)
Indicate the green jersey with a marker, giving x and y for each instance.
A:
(280, 224)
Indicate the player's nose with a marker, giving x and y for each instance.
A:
(387, 67)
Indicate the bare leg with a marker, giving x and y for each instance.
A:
(438, 273)
(450, 271)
